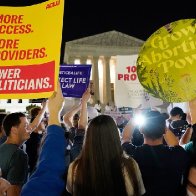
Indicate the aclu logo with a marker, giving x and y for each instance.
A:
(53, 4)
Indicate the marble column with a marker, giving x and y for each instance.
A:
(83, 60)
(106, 80)
(73, 101)
(71, 60)
(95, 78)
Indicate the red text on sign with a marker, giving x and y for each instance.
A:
(13, 19)
(131, 75)
(9, 43)
(36, 78)
(15, 29)
(131, 69)
(127, 77)
(53, 4)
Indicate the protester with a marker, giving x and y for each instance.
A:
(102, 168)
(92, 113)
(108, 108)
(115, 108)
(188, 139)
(14, 161)
(97, 106)
(71, 119)
(2, 132)
(70, 124)
(177, 121)
(33, 143)
(86, 114)
(162, 166)
(48, 176)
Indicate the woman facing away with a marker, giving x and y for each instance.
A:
(102, 168)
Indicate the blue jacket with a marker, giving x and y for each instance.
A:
(48, 177)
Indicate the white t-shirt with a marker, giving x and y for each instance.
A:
(108, 108)
(97, 106)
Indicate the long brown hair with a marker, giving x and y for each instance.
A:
(98, 170)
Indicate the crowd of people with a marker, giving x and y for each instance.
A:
(108, 107)
(72, 154)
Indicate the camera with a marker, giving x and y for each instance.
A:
(179, 124)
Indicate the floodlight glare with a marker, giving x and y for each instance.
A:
(139, 120)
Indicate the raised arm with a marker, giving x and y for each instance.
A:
(40, 115)
(170, 138)
(128, 131)
(191, 119)
(55, 105)
(48, 176)
(83, 113)
(67, 118)
(192, 109)
(79, 137)
(186, 136)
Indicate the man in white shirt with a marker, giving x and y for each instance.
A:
(98, 107)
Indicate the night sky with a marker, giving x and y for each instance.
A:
(136, 18)
(140, 19)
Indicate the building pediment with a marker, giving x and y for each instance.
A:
(107, 39)
(110, 43)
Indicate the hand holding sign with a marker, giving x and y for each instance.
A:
(86, 96)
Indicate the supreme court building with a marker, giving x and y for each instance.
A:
(101, 50)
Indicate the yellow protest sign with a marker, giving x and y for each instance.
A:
(30, 43)
(166, 65)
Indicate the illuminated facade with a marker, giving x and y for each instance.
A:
(101, 50)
